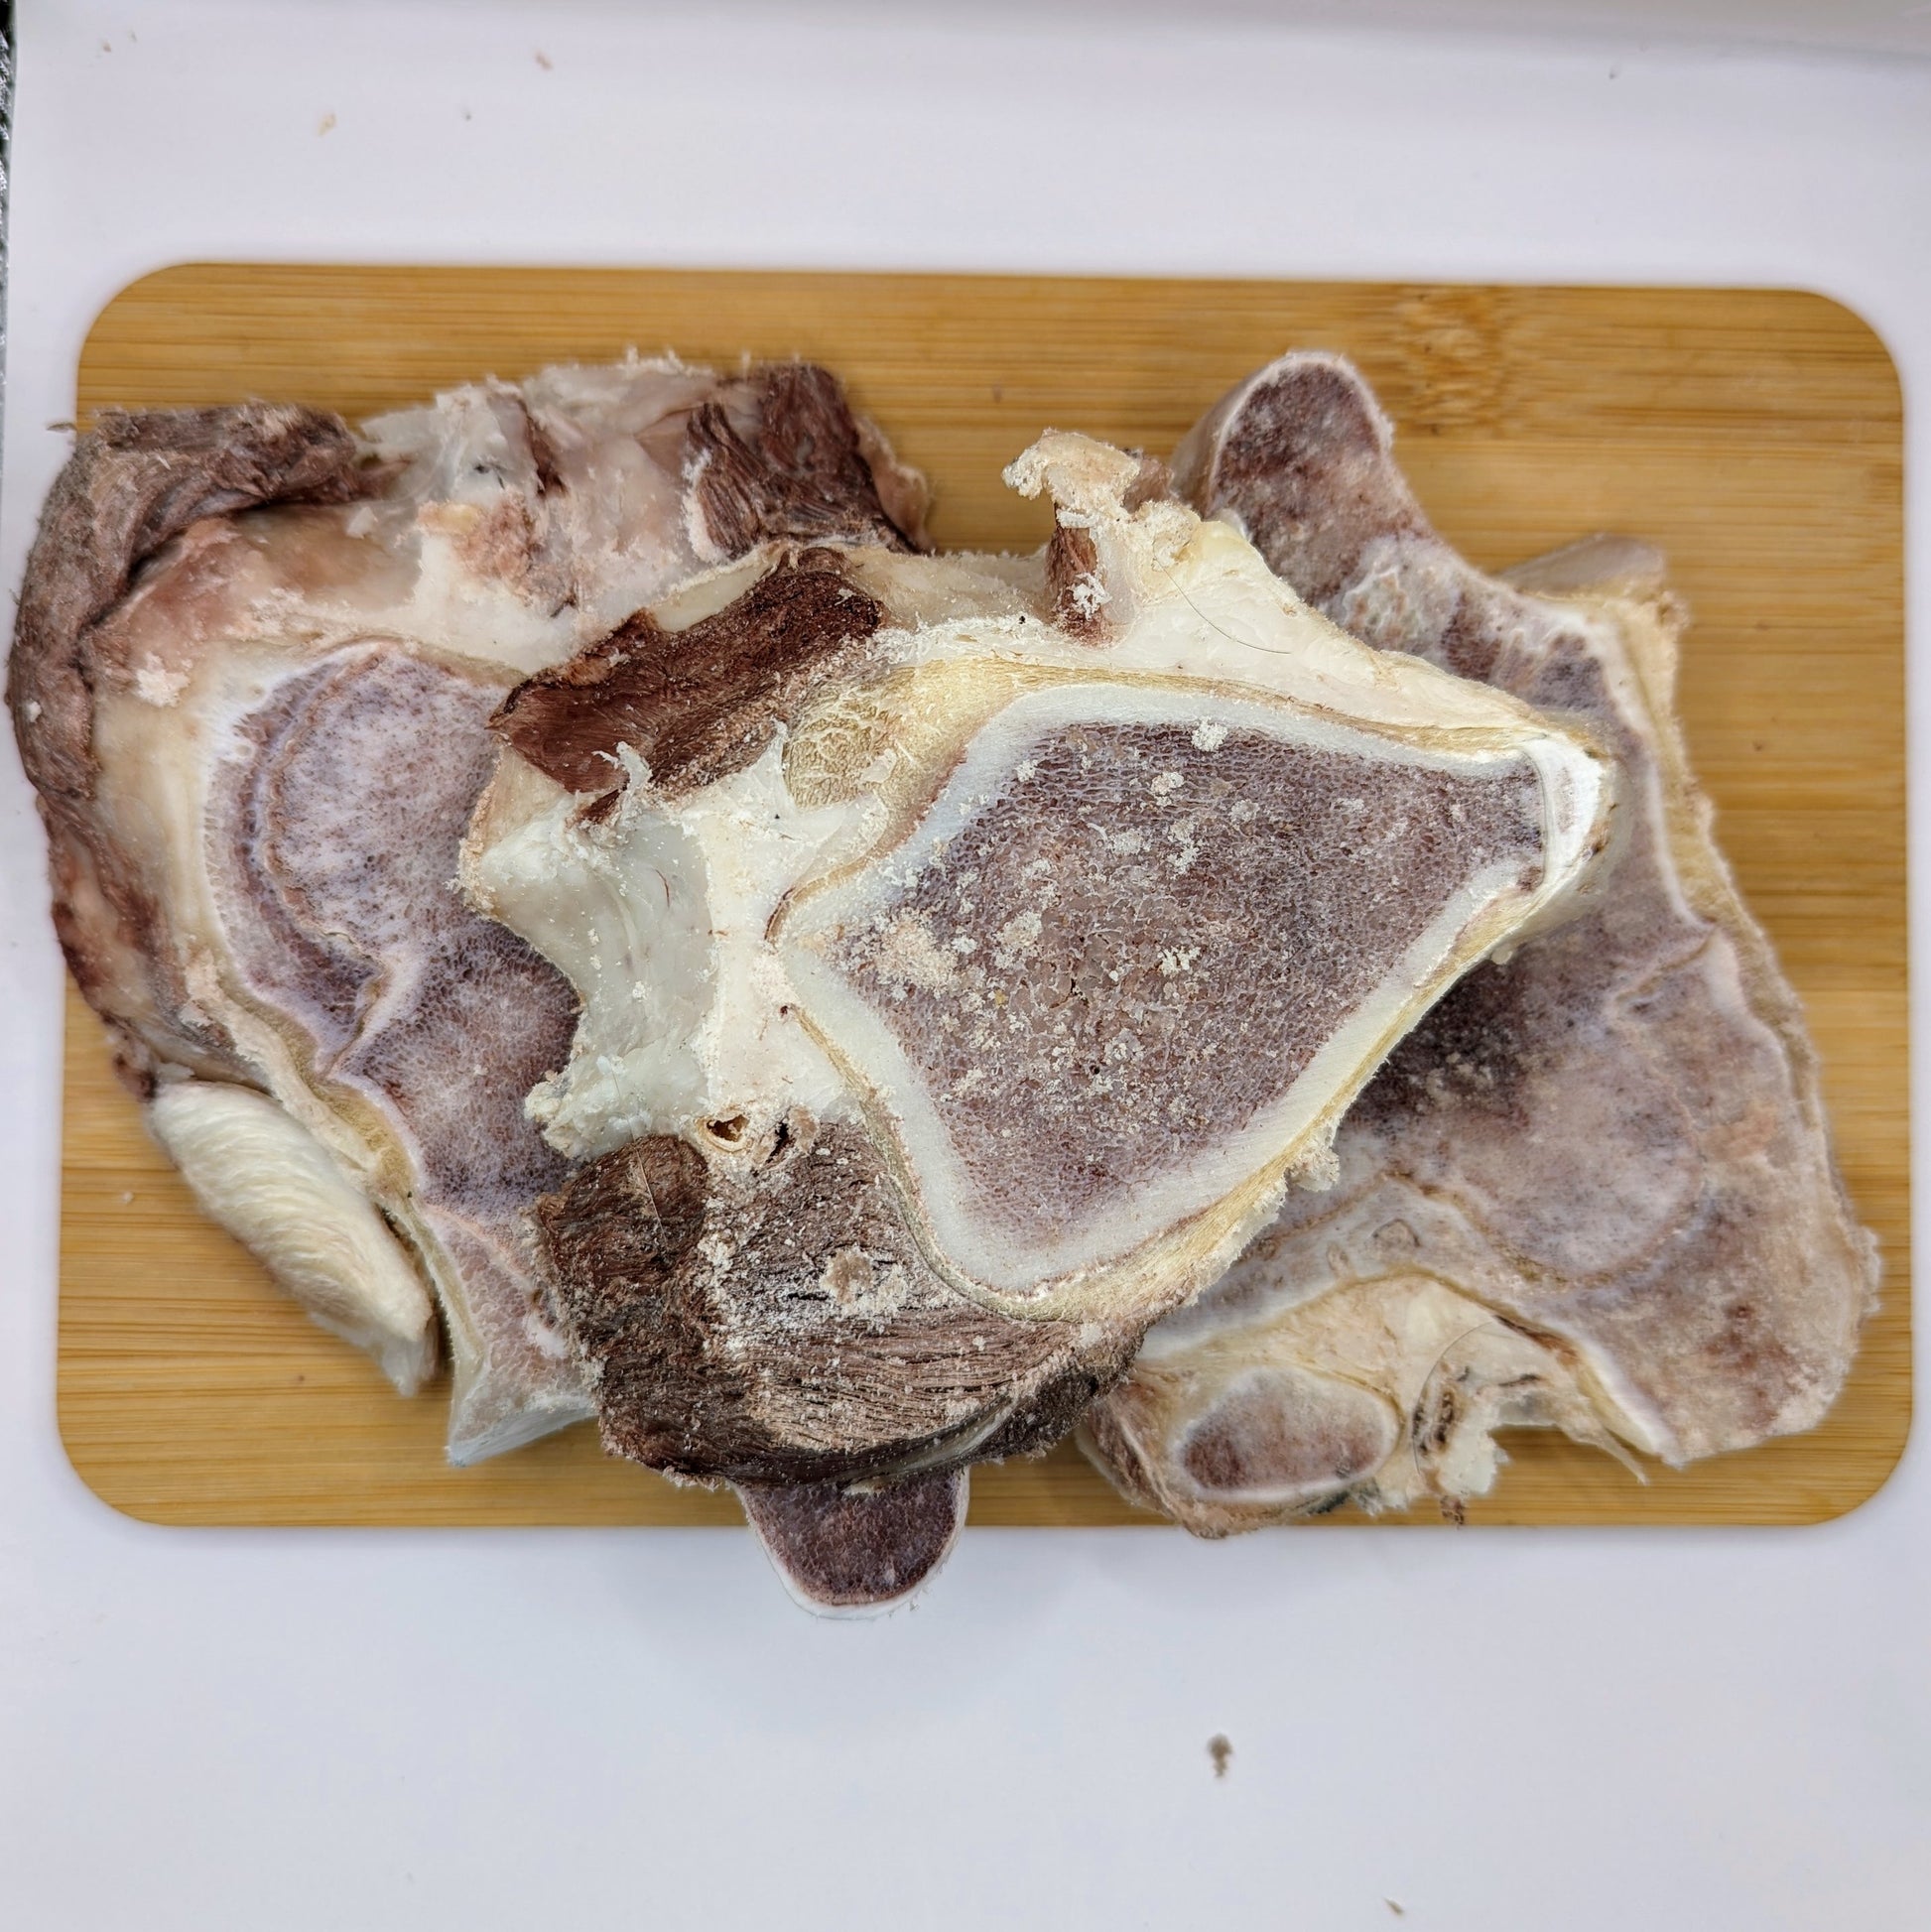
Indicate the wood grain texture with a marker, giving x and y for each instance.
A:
(1755, 434)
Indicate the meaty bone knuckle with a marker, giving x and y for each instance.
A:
(999, 979)
(1594, 1188)
(253, 674)
(878, 986)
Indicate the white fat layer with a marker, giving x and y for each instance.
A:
(280, 1193)
(614, 435)
(658, 919)
(448, 600)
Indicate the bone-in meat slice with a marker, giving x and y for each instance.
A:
(960, 989)
(252, 680)
(877, 1177)
(1594, 1188)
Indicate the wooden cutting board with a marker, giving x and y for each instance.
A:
(1757, 435)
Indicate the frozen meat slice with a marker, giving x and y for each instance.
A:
(960, 989)
(1594, 1188)
(253, 672)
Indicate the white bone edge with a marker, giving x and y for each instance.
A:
(280, 1193)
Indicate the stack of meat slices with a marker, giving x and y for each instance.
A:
(579, 886)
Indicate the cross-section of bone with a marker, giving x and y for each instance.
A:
(879, 985)
(253, 672)
(960, 991)
(854, 1552)
(1594, 1188)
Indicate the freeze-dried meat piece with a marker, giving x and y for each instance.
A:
(774, 1321)
(777, 454)
(969, 951)
(929, 1055)
(253, 674)
(1594, 1188)
(698, 704)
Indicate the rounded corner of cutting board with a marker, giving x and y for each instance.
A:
(1529, 414)
(1893, 1425)
(147, 285)
(1852, 334)
(104, 1478)
(154, 290)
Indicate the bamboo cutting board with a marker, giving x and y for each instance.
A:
(1757, 435)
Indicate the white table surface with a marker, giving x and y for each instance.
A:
(1496, 1729)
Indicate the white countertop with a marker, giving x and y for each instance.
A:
(1494, 1728)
